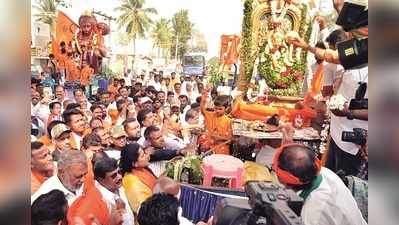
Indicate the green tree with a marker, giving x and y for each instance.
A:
(47, 12)
(182, 31)
(162, 36)
(135, 19)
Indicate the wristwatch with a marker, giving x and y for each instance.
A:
(350, 115)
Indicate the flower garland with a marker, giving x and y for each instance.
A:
(246, 57)
(324, 136)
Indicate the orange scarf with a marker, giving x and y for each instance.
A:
(146, 176)
(91, 202)
(36, 181)
(316, 85)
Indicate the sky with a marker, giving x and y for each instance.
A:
(211, 17)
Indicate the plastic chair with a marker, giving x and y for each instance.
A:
(223, 166)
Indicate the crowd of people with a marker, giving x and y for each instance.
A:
(101, 158)
(114, 144)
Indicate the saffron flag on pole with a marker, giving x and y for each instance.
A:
(65, 28)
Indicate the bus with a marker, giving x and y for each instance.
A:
(194, 64)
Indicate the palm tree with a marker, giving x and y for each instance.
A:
(47, 12)
(135, 19)
(162, 36)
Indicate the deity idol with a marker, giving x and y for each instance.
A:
(89, 42)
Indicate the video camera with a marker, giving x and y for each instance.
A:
(353, 53)
(359, 102)
(357, 136)
(269, 204)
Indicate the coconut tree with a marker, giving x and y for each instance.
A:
(135, 19)
(162, 36)
(47, 10)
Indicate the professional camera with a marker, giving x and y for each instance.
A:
(359, 102)
(268, 204)
(358, 136)
(353, 53)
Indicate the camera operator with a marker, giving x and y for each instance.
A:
(327, 200)
(344, 154)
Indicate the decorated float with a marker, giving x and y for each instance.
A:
(272, 70)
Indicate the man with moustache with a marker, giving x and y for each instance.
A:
(71, 173)
(132, 129)
(42, 166)
(109, 183)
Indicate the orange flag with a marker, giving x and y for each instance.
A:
(316, 85)
(229, 49)
(65, 28)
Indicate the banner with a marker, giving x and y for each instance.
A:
(229, 49)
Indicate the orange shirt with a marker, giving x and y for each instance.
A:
(72, 70)
(85, 75)
(219, 126)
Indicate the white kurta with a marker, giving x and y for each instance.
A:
(54, 183)
(347, 89)
(331, 203)
(109, 197)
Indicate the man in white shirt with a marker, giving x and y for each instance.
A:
(128, 77)
(72, 170)
(327, 200)
(60, 95)
(109, 183)
(344, 155)
(156, 83)
(38, 109)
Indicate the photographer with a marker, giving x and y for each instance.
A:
(343, 153)
(327, 200)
